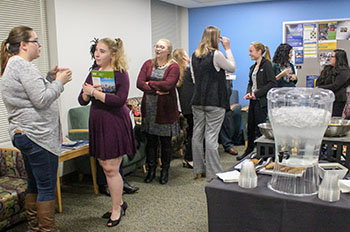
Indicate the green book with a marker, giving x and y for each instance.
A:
(105, 79)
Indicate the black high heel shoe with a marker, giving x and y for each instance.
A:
(112, 223)
(124, 206)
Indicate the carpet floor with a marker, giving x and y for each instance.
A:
(179, 205)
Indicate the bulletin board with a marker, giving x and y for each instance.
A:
(313, 42)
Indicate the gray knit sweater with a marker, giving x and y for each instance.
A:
(31, 103)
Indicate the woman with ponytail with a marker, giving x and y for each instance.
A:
(31, 102)
(110, 129)
(261, 80)
(185, 88)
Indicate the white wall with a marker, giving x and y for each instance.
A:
(73, 24)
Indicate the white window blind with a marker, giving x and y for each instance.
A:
(165, 22)
(30, 13)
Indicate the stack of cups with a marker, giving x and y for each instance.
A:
(329, 189)
(248, 177)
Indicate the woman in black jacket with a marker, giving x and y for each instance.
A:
(336, 77)
(261, 80)
(185, 87)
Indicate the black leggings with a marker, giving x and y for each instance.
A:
(152, 149)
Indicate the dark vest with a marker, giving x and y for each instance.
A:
(210, 85)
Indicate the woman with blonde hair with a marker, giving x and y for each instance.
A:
(185, 89)
(157, 79)
(110, 129)
(261, 80)
(210, 100)
(33, 115)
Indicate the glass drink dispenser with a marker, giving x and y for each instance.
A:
(299, 118)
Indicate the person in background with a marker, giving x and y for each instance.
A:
(210, 100)
(101, 177)
(157, 79)
(185, 88)
(336, 77)
(231, 127)
(283, 68)
(31, 103)
(110, 128)
(261, 80)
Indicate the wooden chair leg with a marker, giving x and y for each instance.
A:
(58, 192)
(93, 172)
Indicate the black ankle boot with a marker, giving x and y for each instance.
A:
(151, 174)
(164, 176)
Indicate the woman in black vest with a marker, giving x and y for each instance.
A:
(209, 101)
(261, 80)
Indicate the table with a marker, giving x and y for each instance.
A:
(232, 208)
(71, 154)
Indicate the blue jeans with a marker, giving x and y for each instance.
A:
(230, 128)
(41, 167)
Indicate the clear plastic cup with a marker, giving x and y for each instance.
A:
(248, 177)
(329, 189)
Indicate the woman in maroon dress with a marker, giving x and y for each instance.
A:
(110, 128)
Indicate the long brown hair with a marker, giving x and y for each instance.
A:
(264, 49)
(119, 59)
(11, 45)
(170, 49)
(209, 41)
(178, 55)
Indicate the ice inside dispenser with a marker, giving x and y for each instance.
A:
(299, 119)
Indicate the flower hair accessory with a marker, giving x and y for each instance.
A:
(93, 47)
(92, 51)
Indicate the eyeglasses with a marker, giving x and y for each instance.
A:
(159, 46)
(332, 56)
(34, 41)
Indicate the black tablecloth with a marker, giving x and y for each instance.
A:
(232, 208)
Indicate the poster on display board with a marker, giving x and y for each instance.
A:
(343, 30)
(327, 36)
(299, 55)
(294, 37)
(310, 40)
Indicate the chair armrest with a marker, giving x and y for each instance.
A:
(78, 134)
(11, 163)
(78, 131)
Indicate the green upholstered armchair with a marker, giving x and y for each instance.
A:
(13, 184)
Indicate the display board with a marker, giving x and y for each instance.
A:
(313, 42)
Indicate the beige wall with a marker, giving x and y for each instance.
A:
(73, 24)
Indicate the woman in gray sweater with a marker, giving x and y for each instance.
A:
(33, 116)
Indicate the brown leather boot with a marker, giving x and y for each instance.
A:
(31, 212)
(46, 216)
